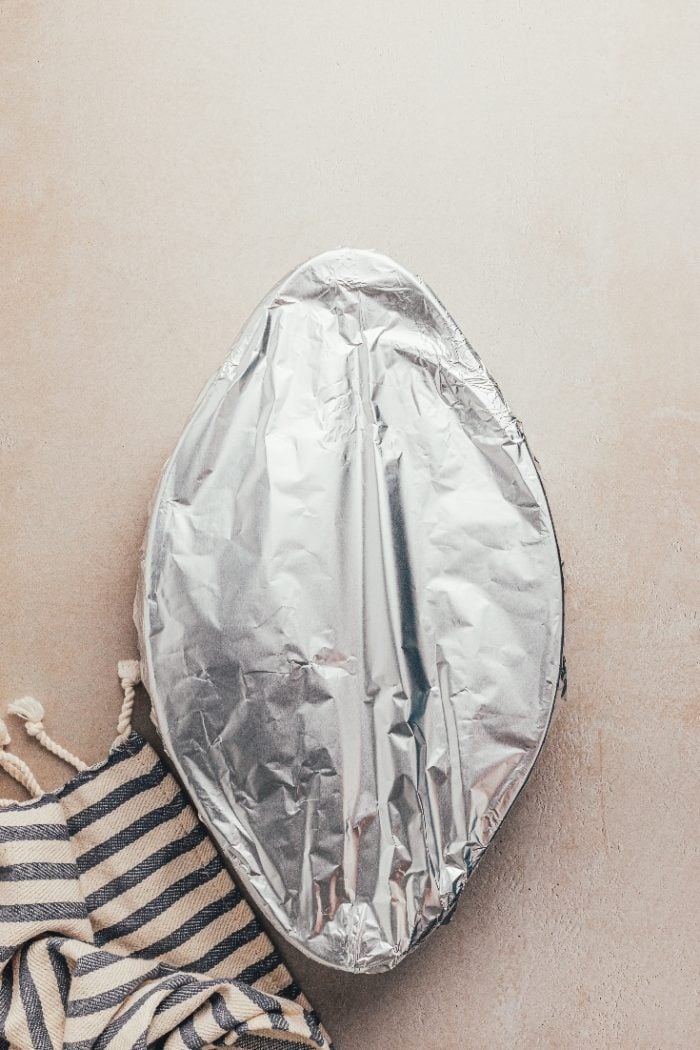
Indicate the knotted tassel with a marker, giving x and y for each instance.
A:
(16, 767)
(129, 675)
(33, 714)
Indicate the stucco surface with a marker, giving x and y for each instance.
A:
(163, 164)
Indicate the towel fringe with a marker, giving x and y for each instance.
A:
(31, 711)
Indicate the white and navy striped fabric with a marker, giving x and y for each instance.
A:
(120, 927)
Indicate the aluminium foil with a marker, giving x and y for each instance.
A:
(350, 609)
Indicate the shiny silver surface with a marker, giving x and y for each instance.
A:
(350, 610)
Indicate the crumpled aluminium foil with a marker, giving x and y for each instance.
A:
(351, 609)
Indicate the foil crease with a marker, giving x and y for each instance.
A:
(350, 609)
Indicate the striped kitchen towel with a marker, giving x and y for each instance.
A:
(120, 926)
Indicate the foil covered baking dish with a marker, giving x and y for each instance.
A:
(350, 609)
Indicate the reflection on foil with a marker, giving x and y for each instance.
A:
(350, 609)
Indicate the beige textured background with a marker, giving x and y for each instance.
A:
(163, 164)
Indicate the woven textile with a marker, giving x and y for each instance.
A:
(120, 927)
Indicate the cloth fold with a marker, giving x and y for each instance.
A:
(121, 927)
